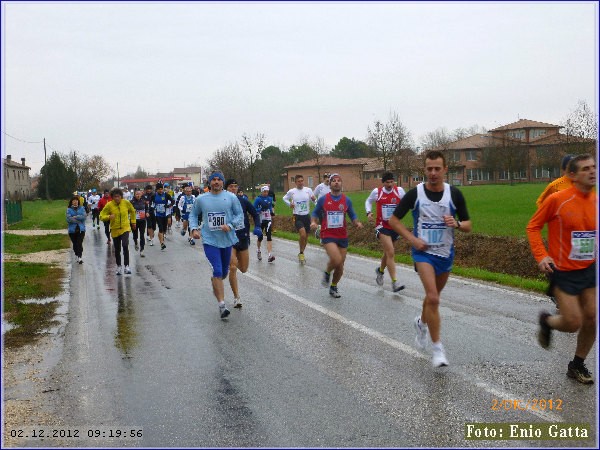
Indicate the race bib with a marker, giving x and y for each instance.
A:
(302, 207)
(140, 215)
(433, 234)
(583, 245)
(387, 211)
(265, 215)
(215, 220)
(160, 208)
(335, 219)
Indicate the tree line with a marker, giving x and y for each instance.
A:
(251, 161)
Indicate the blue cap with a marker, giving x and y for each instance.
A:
(94, 190)
(565, 161)
(216, 175)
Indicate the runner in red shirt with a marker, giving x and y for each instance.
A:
(332, 209)
(386, 198)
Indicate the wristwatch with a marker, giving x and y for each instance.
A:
(457, 224)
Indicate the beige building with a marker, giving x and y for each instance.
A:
(17, 183)
(196, 174)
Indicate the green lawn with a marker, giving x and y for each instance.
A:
(43, 215)
(19, 245)
(496, 210)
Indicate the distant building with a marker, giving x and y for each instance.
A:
(351, 171)
(17, 182)
(523, 151)
(195, 174)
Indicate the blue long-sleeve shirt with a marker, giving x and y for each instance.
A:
(76, 217)
(248, 209)
(219, 209)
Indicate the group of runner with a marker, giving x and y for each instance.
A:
(222, 219)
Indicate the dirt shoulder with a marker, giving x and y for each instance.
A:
(25, 370)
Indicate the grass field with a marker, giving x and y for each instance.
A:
(495, 210)
(27, 281)
(19, 245)
(43, 215)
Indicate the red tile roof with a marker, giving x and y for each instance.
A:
(525, 123)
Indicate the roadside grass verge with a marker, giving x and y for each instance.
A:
(42, 215)
(19, 245)
(29, 281)
(535, 285)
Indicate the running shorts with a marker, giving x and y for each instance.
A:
(162, 224)
(387, 232)
(440, 264)
(219, 259)
(342, 243)
(573, 282)
(302, 222)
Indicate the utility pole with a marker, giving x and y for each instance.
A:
(46, 174)
(118, 178)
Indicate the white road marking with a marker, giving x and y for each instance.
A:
(545, 415)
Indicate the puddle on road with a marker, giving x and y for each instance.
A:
(126, 336)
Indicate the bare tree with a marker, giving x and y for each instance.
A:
(581, 122)
(253, 147)
(461, 133)
(388, 138)
(506, 155)
(89, 170)
(230, 160)
(320, 150)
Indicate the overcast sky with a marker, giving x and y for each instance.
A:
(161, 85)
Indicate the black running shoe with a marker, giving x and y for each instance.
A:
(224, 312)
(163, 246)
(545, 332)
(580, 373)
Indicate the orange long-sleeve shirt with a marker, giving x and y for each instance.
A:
(571, 218)
(560, 184)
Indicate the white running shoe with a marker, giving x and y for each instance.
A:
(237, 303)
(259, 255)
(119, 270)
(439, 357)
(142, 254)
(378, 276)
(127, 270)
(151, 242)
(422, 331)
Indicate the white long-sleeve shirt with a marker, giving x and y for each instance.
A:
(301, 199)
(321, 190)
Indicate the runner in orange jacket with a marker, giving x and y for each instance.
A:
(570, 260)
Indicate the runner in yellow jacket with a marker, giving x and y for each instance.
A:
(121, 214)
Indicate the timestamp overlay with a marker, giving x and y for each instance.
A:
(76, 433)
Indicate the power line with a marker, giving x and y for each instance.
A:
(21, 140)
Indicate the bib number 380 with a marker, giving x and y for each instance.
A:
(216, 220)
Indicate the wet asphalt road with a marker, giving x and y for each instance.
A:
(294, 367)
